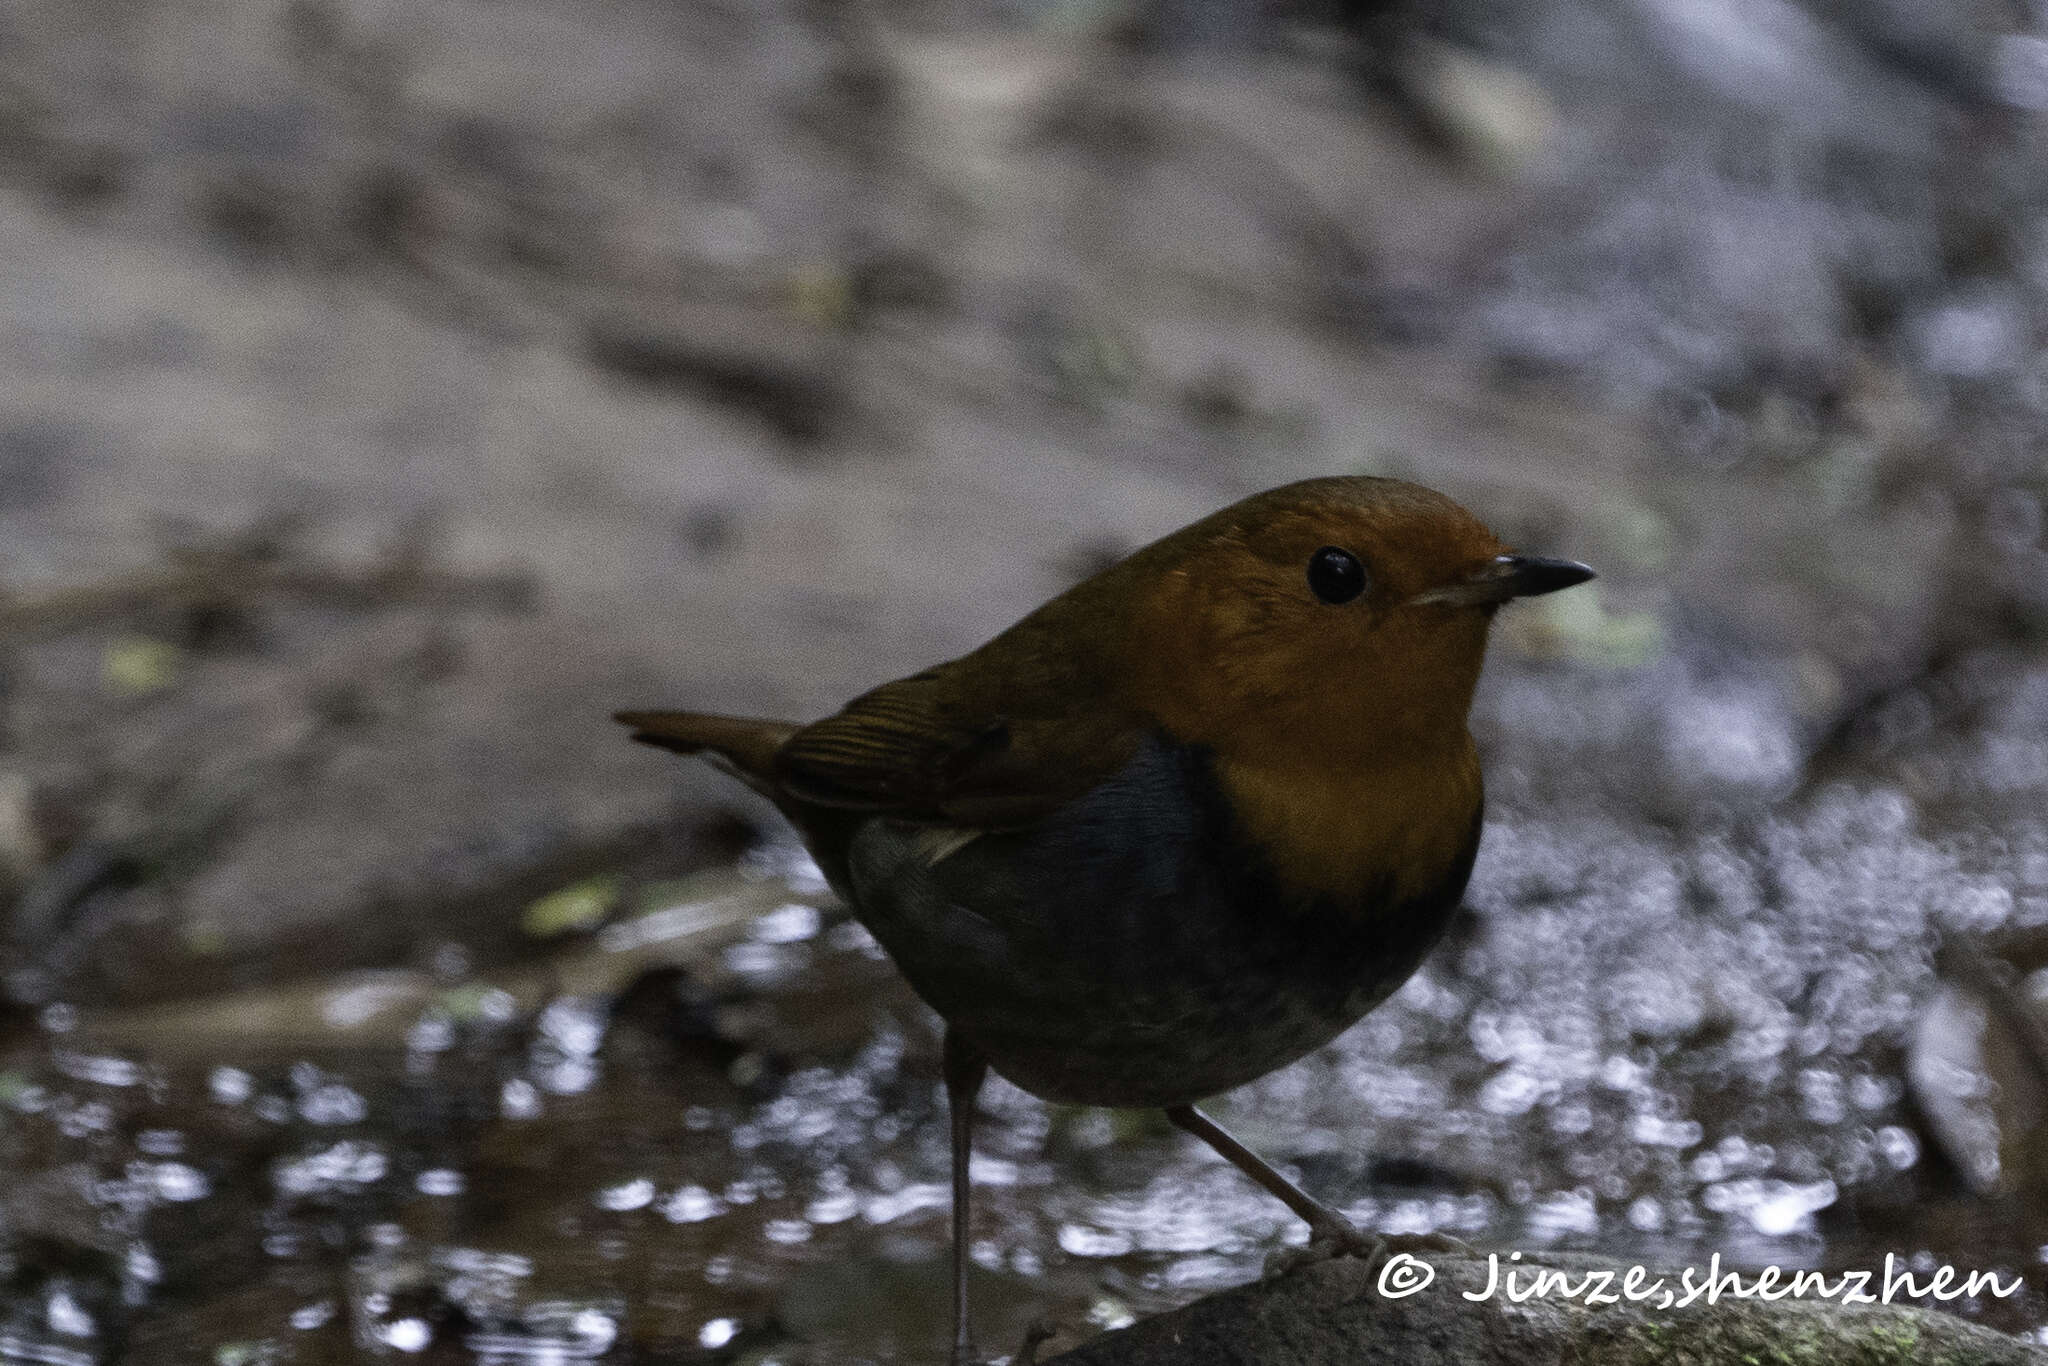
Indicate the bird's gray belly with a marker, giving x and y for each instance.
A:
(1129, 950)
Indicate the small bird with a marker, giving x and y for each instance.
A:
(1186, 822)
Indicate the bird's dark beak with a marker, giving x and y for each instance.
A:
(1504, 577)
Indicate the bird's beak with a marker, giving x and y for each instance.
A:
(1504, 577)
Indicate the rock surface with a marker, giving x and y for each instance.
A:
(1332, 1313)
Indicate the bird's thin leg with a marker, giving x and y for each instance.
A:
(1323, 1222)
(1329, 1231)
(965, 1070)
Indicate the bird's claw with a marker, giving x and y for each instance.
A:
(1415, 1244)
(1338, 1238)
(1027, 1355)
(1034, 1337)
(1343, 1239)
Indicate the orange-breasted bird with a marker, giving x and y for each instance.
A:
(1186, 822)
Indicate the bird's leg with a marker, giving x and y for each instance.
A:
(965, 1070)
(1330, 1233)
(1324, 1223)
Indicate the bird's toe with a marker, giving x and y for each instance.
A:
(1346, 1240)
(1414, 1244)
(1338, 1238)
(1035, 1337)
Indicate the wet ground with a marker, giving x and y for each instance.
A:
(386, 398)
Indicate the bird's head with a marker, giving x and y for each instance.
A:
(1345, 617)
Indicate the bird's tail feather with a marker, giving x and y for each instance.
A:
(746, 744)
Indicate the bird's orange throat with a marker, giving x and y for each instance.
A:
(1347, 831)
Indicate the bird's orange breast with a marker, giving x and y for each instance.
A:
(1343, 831)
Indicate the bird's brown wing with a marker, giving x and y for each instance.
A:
(958, 746)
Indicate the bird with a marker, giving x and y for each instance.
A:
(1180, 826)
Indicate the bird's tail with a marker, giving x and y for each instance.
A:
(747, 745)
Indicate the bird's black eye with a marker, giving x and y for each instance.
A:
(1335, 575)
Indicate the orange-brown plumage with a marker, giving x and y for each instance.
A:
(1185, 821)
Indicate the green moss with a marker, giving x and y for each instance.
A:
(577, 907)
(1755, 1335)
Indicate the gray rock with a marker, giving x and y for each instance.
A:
(1331, 1313)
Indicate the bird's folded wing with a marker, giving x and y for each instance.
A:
(950, 747)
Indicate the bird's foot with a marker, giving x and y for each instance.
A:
(1334, 1238)
(1034, 1337)
(1341, 1238)
(1027, 1354)
(1415, 1245)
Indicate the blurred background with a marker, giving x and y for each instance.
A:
(388, 392)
